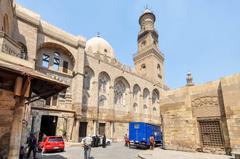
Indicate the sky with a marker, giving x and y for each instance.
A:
(200, 36)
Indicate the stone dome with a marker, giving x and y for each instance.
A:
(99, 45)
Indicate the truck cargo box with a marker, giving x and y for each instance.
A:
(140, 132)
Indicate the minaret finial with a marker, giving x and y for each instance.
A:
(189, 79)
(98, 34)
(146, 7)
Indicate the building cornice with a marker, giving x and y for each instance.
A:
(44, 27)
(119, 66)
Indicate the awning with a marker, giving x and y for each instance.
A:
(42, 86)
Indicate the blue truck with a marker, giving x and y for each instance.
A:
(140, 132)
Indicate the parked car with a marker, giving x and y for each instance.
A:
(108, 141)
(52, 143)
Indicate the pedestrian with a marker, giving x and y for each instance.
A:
(21, 153)
(126, 139)
(42, 136)
(97, 140)
(32, 144)
(87, 141)
(94, 141)
(152, 142)
(104, 141)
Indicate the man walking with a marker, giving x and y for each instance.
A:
(87, 141)
(97, 140)
(104, 141)
(32, 143)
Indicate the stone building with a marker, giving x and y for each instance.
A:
(104, 95)
(203, 117)
(20, 83)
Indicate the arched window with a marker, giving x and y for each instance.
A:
(54, 57)
(143, 44)
(119, 93)
(121, 86)
(5, 24)
(143, 66)
(146, 95)
(103, 82)
(135, 107)
(88, 74)
(102, 100)
(155, 97)
(136, 92)
(154, 111)
(56, 61)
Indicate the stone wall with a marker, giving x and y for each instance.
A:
(7, 11)
(231, 98)
(182, 110)
(6, 116)
(119, 130)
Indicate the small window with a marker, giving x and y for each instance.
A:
(159, 71)
(54, 100)
(65, 66)
(145, 109)
(143, 66)
(135, 107)
(154, 42)
(6, 24)
(102, 100)
(48, 101)
(56, 61)
(143, 43)
(45, 60)
(136, 126)
(105, 50)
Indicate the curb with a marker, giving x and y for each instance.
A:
(141, 157)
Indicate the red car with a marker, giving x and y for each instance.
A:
(52, 143)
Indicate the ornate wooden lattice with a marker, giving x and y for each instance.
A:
(210, 132)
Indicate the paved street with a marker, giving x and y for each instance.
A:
(116, 151)
(158, 153)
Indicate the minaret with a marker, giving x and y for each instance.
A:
(149, 61)
(189, 79)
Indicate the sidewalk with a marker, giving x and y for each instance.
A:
(158, 153)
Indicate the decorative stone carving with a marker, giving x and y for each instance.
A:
(206, 106)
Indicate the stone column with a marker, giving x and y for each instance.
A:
(111, 129)
(77, 130)
(16, 129)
